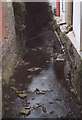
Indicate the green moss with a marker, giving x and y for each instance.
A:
(73, 91)
(21, 51)
(6, 75)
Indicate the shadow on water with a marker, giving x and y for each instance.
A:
(45, 78)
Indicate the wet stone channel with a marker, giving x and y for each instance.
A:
(36, 89)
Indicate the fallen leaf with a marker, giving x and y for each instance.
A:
(51, 102)
(12, 80)
(37, 91)
(32, 98)
(19, 92)
(22, 95)
(51, 112)
(42, 92)
(33, 69)
(27, 107)
(38, 103)
(47, 61)
(25, 112)
(13, 88)
(28, 102)
(30, 76)
(34, 107)
(27, 63)
(44, 109)
(28, 91)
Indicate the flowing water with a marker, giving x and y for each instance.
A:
(37, 72)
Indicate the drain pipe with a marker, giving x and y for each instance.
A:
(63, 50)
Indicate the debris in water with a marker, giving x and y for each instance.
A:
(38, 103)
(30, 76)
(28, 91)
(44, 109)
(25, 112)
(32, 98)
(20, 92)
(27, 102)
(43, 92)
(51, 102)
(47, 61)
(33, 69)
(12, 80)
(27, 63)
(51, 112)
(13, 88)
(37, 91)
(27, 107)
(22, 95)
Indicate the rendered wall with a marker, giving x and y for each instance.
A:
(81, 27)
(76, 21)
(9, 42)
(63, 11)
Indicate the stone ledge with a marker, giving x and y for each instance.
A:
(72, 38)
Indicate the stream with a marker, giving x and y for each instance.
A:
(45, 88)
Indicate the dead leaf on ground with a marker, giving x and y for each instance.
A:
(27, 107)
(51, 112)
(27, 63)
(33, 69)
(47, 61)
(32, 98)
(27, 102)
(20, 92)
(37, 91)
(44, 109)
(13, 88)
(28, 91)
(25, 112)
(22, 95)
(30, 76)
(38, 103)
(12, 80)
(43, 92)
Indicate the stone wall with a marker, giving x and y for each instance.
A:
(9, 43)
(73, 63)
(72, 67)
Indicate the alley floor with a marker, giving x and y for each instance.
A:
(36, 89)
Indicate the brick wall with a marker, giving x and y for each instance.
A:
(2, 23)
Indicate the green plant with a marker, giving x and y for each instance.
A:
(19, 12)
(68, 28)
(70, 48)
(73, 33)
(21, 51)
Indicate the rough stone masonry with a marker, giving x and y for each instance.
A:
(9, 43)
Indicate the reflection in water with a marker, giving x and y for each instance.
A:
(57, 101)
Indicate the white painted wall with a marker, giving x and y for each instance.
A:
(76, 22)
(63, 11)
(81, 26)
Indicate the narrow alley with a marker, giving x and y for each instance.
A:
(37, 89)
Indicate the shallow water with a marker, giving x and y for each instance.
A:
(57, 99)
